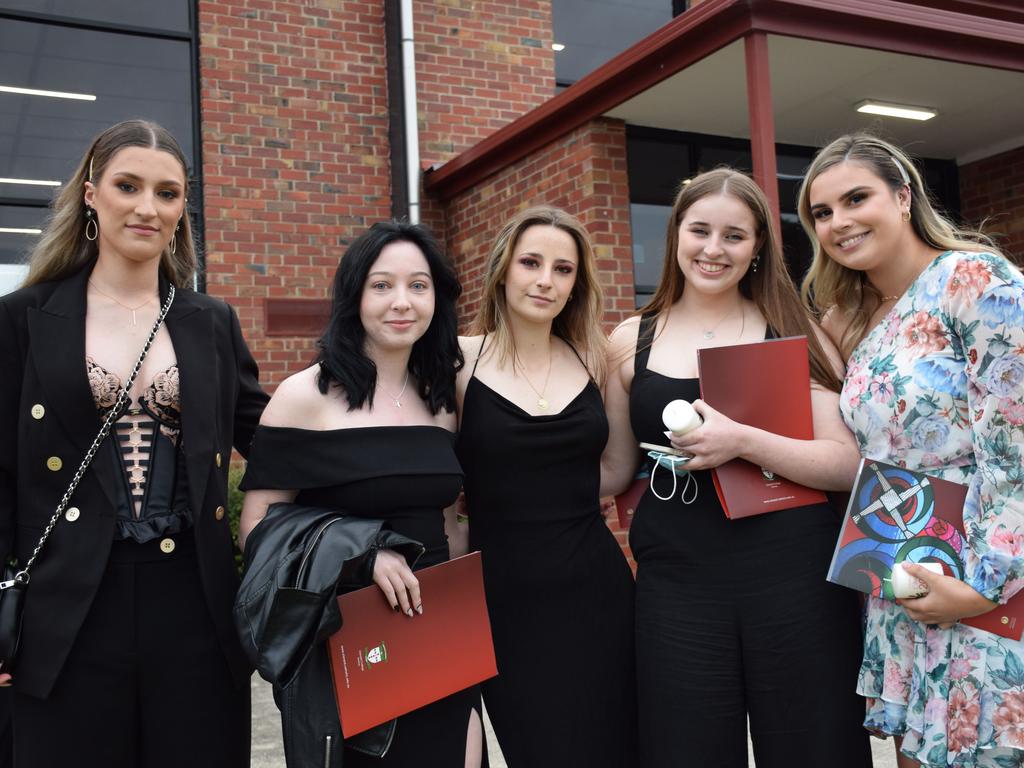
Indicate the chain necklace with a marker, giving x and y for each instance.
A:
(891, 298)
(542, 402)
(710, 333)
(396, 399)
(133, 310)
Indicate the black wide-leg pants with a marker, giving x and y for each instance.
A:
(146, 684)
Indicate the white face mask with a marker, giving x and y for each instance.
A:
(674, 465)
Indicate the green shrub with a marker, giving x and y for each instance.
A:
(235, 497)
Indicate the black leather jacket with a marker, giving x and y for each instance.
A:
(297, 560)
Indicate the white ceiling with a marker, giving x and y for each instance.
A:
(815, 86)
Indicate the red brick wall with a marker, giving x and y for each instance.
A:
(295, 152)
(992, 191)
(480, 64)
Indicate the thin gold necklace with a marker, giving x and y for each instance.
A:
(542, 402)
(396, 399)
(133, 310)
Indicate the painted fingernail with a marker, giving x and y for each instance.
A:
(419, 609)
(397, 608)
(409, 612)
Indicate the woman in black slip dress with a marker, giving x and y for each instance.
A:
(734, 618)
(532, 428)
(370, 429)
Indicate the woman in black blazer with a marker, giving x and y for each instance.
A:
(128, 655)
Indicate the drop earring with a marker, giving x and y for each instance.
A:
(90, 219)
(757, 260)
(174, 239)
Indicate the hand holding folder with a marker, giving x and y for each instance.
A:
(386, 664)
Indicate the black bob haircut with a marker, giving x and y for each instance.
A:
(435, 357)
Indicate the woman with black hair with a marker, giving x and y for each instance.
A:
(369, 429)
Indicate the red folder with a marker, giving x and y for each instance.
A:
(766, 385)
(899, 515)
(386, 664)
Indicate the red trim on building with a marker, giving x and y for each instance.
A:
(899, 27)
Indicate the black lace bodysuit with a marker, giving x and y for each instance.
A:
(152, 497)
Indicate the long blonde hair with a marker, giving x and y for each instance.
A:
(63, 248)
(579, 322)
(770, 287)
(829, 286)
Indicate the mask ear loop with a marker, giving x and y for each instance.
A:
(654, 470)
(691, 482)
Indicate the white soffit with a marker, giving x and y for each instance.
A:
(816, 85)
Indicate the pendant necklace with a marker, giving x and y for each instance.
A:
(710, 333)
(542, 402)
(396, 399)
(133, 310)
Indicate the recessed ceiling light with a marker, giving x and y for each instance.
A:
(558, 46)
(52, 94)
(35, 182)
(20, 231)
(896, 110)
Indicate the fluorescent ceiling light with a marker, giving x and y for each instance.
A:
(52, 94)
(896, 110)
(20, 231)
(35, 182)
(558, 46)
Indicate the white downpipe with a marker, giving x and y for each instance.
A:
(412, 134)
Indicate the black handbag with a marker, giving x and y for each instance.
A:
(15, 582)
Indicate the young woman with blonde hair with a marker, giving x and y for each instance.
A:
(734, 619)
(532, 428)
(128, 648)
(930, 319)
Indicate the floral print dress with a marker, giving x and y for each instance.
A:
(938, 386)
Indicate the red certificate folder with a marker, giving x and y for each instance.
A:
(766, 385)
(897, 515)
(386, 664)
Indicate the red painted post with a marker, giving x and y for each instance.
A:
(762, 118)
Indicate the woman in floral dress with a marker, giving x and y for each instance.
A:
(931, 322)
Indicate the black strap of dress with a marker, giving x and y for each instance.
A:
(644, 342)
(480, 353)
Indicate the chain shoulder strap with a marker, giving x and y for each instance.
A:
(23, 575)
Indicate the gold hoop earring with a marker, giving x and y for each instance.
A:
(174, 239)
(906, 216)
(90, 218)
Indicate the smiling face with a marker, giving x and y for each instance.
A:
(397, 304)
(138, 201)
(541, 274)
(717, 240)
(857, 217)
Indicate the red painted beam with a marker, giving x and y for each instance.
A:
(762, 119)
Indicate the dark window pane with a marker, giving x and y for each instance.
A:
(131, 76)
(594, 32)
(656, 169)
(164, 15)
(648, 223)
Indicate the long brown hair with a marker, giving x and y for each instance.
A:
(579, 322)
(831, 286)
(63, 248)
(770, 287)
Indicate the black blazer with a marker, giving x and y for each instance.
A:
(47, 412)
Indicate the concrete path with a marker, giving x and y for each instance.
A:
(267, 751)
